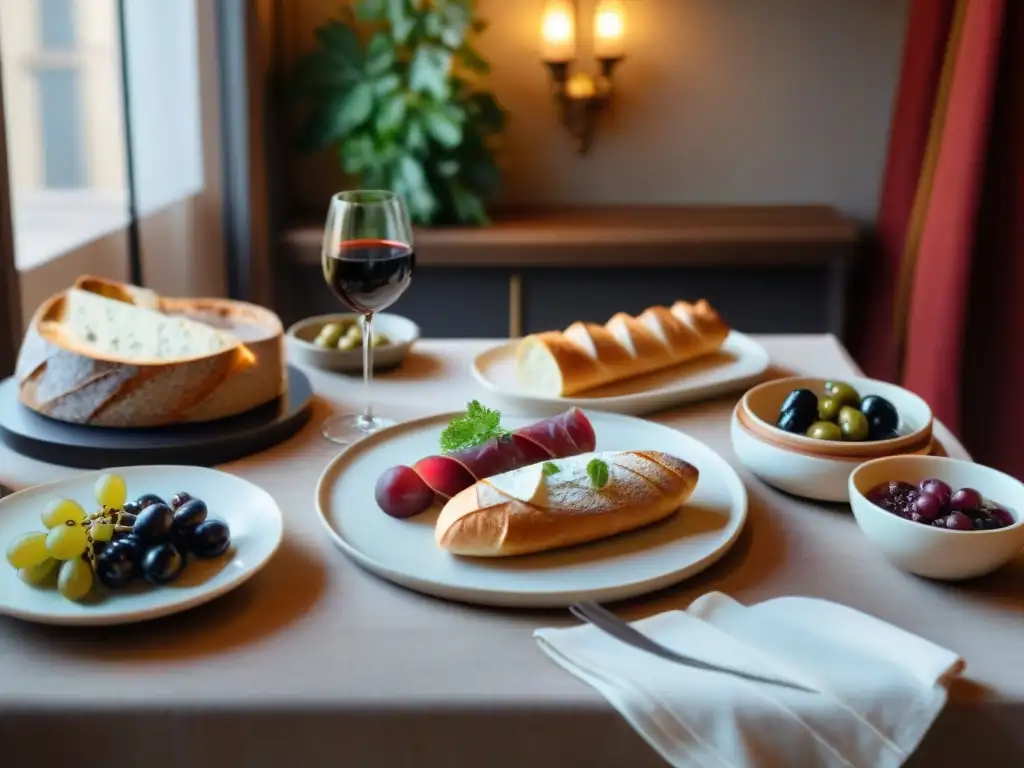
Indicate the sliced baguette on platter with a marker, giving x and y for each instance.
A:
(112, 355)
(557, 504)
(587, 355)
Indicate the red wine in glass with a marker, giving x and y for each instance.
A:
(369, 275)
(368, 260)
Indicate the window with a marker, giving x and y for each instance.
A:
(76, 164)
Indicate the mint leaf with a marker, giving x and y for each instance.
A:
(597, 471)
(478, 425)
(550, 468)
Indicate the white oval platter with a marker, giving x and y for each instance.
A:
(738, 364)
(404, 551)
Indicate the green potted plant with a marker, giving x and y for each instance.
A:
(393, 85)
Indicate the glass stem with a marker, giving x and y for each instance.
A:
(368, 367)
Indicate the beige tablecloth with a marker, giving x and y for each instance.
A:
(315, 662)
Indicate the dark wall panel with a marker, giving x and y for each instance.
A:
(445, 303)
(751, 300)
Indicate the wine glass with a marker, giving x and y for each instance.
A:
(368, 260)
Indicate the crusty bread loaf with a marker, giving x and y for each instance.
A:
(531, 510)
(587, 355)
(231, 358)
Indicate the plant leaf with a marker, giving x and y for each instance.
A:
(456, 21)
(402, 22)
(321, 72)
(428, 72)
(342, 41)
(448, 167)
(469, 207)
(353, 109)
(391, 114)
(387, 84)
(380, 54)
(318, 130)
(356, 153)
(470, 58)
(442, 128)
(411, 182)
(371, 10)
(415, 137)
(490, 114)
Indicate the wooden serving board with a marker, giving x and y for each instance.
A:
(216, 442)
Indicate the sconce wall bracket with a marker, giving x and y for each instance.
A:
(581, 98)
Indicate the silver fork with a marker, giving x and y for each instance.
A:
(608, 622)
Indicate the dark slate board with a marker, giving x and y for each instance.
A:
(216, 442)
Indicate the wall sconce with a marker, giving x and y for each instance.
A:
(582, 97)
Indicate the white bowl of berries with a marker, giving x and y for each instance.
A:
(937, 517)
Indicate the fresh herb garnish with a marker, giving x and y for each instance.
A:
(597, 470)
(550, 468)
(478, 425)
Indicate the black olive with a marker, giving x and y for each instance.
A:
(881, 434)
(882, 415)
(800, 400)
(796, 422)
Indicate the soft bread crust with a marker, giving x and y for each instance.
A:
(644, 487)
(59, 379)
(585, 355)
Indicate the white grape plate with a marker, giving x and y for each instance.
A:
(250, 512)
(634, 563)
(739, 363)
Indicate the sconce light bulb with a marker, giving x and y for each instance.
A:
(609, 29)
(558, 31)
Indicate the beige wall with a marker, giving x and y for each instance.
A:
(720, 101)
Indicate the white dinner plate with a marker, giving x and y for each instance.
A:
(250, 512)
(737, 365)
(633, 563)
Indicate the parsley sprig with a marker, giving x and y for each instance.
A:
(478, 425)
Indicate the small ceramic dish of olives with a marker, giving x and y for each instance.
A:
(335, 342)
(838, 413)
(827, 428)
(938, 517)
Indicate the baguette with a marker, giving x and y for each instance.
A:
(529, 510)
(587, 355)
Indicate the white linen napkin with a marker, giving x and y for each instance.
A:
(880, 687)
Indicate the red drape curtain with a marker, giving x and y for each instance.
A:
(944, 310)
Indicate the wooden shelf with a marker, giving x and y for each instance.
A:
(568, 237)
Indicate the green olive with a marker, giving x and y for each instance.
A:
(824, 430)
(329, 335)
(842, 393)
(828, 409)
(347, 342)
(380, 340)
(853, 424)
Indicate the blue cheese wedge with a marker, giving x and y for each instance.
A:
(123, 332)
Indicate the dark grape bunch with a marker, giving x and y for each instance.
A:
(933, 502)
(147, 538)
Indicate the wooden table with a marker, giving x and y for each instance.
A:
(315, 662)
